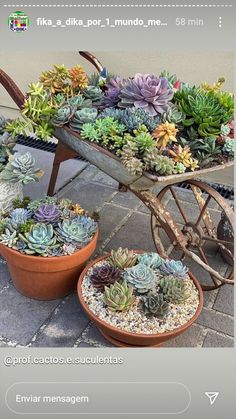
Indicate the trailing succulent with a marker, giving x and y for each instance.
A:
(47, 227)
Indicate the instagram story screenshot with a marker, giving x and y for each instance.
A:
(117, 209)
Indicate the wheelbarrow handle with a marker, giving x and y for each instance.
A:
(11, 87)
(92, 59)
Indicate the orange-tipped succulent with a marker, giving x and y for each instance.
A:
(181, 155)
(165, 134)
(78, 77)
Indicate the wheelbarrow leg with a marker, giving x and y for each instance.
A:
(62, 154)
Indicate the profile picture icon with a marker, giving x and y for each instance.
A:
(18, 22)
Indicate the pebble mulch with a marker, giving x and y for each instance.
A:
(134, 320)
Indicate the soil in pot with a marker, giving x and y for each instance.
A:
(133, 327)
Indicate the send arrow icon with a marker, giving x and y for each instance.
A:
(212, 396)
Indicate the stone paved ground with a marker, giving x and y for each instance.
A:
(123, 221)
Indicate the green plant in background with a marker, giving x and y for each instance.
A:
(119, 297)
(39, 240)
(155, 305)
(205, 150)
(141, 277)
(81, 117)
(21, 169)
(123, 258)
(18, 203)
(174, 289)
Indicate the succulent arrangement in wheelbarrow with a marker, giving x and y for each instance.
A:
(139, 299)
(16, 169)
(153, 123)
(46, 244)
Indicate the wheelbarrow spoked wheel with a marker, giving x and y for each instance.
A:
(206, 220)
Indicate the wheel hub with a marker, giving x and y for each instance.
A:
(193, 234)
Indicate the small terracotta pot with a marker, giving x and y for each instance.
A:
(45, 278)
(123, 338)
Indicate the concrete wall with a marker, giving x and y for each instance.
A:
(24, 67)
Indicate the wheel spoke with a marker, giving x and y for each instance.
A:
(178, 205)
(217, 241)
(201, 215)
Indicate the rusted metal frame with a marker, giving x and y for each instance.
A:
(164, 218)
(205, 216)
(221, 244)
(203, 210)
(92, 59)
(62, 154)
(13, 90)
(178, 204)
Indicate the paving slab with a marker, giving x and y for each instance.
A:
(214, 340)
(110, 217)
(94, 337)
(135, 234)
(191, 338)
(21, 317)
(65, 325)
(4, 275)
(216, 321)
(225, 300)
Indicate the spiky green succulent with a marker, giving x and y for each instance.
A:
(123, 258)
(39, 240)
(152, 260)
(141, 277)
(18, 203)
(206, 109)
(107, 132)
(174, 267)
(205, 150)
(155, 305)
(174, 289)
(95, 94)
(119, 296)
(142, 139)
(83, 116)
(229, 146)
(21, 169)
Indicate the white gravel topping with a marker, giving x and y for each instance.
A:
(134, 320)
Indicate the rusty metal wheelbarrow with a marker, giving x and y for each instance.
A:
(174, 228)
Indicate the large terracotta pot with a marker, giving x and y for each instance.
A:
(8, 193)
(47, 278)
(123, 338)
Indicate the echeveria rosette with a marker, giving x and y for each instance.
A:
(40, 240)
(152, 260)
(18, 217)
(48, 213)
(21, 169)
(155, 305)
(105, 275)
(174, 267)
(77, 231)
(119, 297)
(142, 278)
(148, 92)
(112, 92)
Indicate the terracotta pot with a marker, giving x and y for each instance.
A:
(123, 338)
(47, 278)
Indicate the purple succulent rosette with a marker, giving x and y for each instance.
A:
(105, 275)
(113, 89)
(48, 213)
(148, 92)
